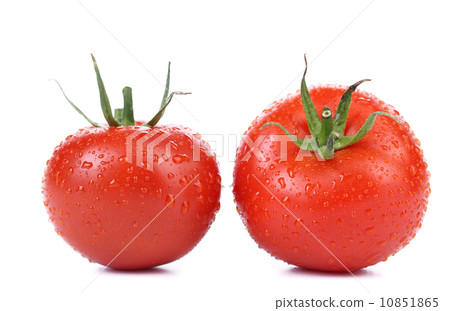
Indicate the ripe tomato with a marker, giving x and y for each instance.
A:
(340, 210)
(108, 205)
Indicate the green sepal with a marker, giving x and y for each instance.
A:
(166, 90)
(309, 144)
(327, 151)
(301, 143)
(312, 117)
(340, 119)
(345, 141)
(118, 115)
(75, 107)
(104, 100)
(160, 113)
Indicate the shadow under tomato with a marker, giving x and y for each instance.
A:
(307, 272)
(154, 271)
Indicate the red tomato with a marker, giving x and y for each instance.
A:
(340, 214)
(115, 211)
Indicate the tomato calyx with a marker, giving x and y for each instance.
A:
(328, 133)
(123, 116)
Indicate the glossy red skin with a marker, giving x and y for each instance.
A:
(363, 205)
(98, 202)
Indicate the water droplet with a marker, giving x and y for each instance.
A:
(159, 193)
(370, 230)
(170, 202)
(180, 158)
(282, 182)
(291, 172)
(114, 183)
(170, 175)
(298, 224)
(412, 170)
(185, 207)
(393, 235)
(87, 165)
(198, 186)
(309, 188)
(184, 181)
(381, 243)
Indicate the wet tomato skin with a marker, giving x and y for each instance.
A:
(117, 213)
(349, 212)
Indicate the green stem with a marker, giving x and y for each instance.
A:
(128, 114)
(326, 126)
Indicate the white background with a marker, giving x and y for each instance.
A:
(236, 57)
